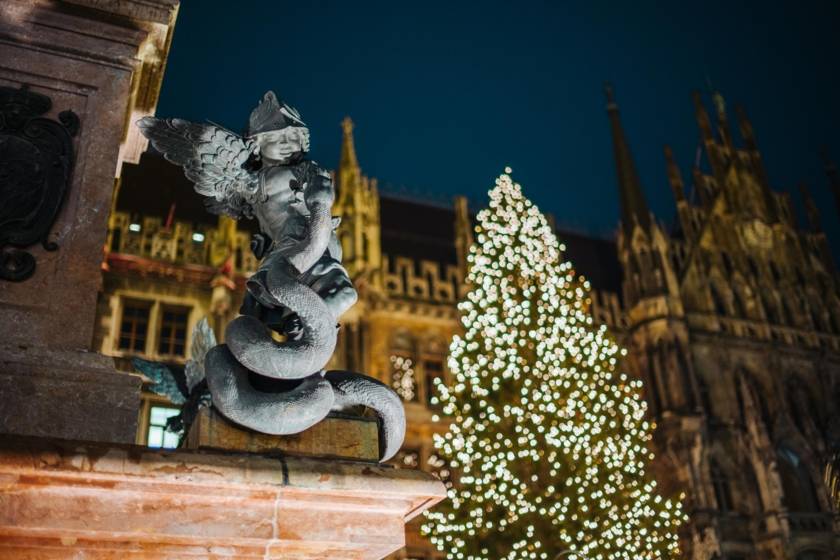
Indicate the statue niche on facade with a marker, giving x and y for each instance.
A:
(300, 288)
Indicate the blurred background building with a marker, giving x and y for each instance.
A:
(731, 318)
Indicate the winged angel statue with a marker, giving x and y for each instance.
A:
(300, 288)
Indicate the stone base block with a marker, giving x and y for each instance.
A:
(335, 436)
(66, 394)
(60, 499)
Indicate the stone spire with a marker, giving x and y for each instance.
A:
(674, 175)
(748, 135)
(634, 208)
(357, 204)
(811, 211)
(348, 149)
(708, 137)
(722, 120)
(349, 171)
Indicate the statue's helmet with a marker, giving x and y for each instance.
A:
(272, 115)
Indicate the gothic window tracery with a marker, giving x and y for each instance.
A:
(751, 401)
(718, 302)
(787, 312)
(801, 407)
(705, 396)
(753, 267)
(727, 263)
(722, 487)
(774, 270)
(738, 303)
(800, 494)
(653, 380)
(770, 309)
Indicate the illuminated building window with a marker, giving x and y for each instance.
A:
(134, 326)
(158, 435)
(800, 494)
(404, 378)
(173, 331)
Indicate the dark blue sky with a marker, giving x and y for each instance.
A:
(444, 95)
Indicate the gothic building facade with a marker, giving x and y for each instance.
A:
(731, 318)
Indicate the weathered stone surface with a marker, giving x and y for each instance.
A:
(339, 437)
(65, 499)
(66, 394)
(87, 61)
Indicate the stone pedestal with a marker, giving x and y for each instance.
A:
(337, 437)
(66, 394)
(103, 60)
(66, 500)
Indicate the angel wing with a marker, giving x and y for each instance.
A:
(163, 380)
(203, 339)
(213, 158)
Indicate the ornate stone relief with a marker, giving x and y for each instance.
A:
(36, 162)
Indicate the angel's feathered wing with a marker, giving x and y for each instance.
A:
(163, 380)
(213, 159)
(203, 339)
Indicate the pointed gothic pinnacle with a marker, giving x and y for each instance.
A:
(674, 175)
(634, 208)
(348, 150)
(811, 211)
(347, 125)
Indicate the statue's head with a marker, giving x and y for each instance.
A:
(278, 130)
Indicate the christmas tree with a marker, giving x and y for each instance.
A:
(549, 440)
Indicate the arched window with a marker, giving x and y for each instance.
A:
(740, 310)
(753, 267)
(775, 271)
(717, 300)
(727, 264)
(787, 313)
(653, 380)
(721, 487)
(802, 409)
(770, 310)
(705, 399)
(750, 391)
(800, 495)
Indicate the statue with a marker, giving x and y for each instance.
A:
(299, 290)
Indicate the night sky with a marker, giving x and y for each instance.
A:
(444, 95)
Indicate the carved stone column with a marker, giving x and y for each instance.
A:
(97, 63)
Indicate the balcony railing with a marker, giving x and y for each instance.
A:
(181, 243)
